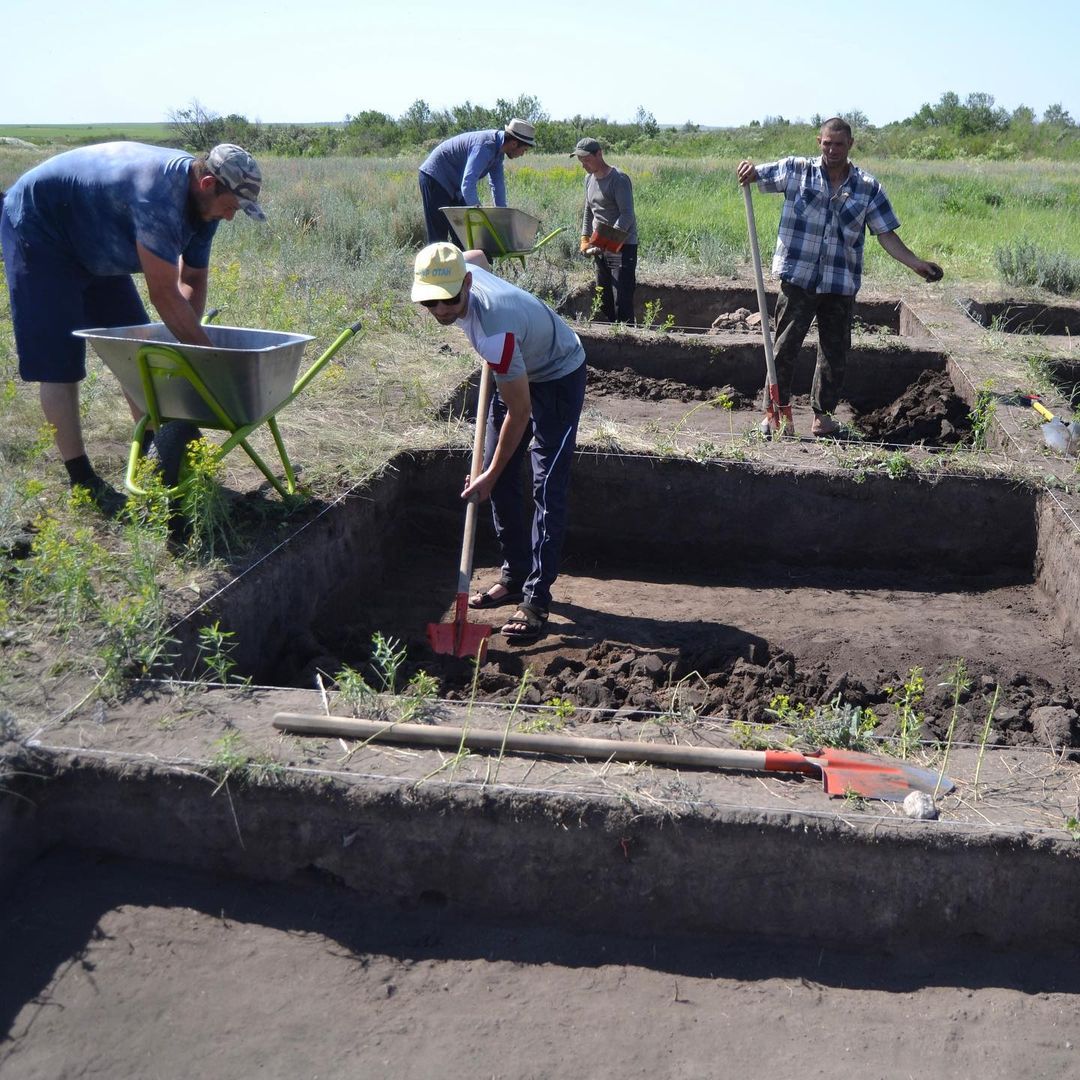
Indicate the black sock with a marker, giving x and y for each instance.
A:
(147, 438)
(80, 471)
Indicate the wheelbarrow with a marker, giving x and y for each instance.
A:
(239, 382)
(500, 232)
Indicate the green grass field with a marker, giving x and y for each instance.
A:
(63, 135)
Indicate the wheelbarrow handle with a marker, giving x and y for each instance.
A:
(323, 360)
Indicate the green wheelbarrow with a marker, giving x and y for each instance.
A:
(239, 382)
(500, 232)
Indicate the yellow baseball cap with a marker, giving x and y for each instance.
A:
(438, 272)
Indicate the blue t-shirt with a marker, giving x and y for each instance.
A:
(96, 202)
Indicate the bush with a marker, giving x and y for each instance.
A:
(1024, 263)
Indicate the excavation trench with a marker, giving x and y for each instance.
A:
(718, 586)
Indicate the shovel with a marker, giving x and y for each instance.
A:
(777, 417)
(1059, 436)
(843, 772)
(461, 637)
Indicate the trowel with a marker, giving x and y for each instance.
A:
(1061, 437)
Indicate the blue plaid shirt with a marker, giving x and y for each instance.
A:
(820, 243)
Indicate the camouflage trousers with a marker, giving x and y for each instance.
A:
(796, 309)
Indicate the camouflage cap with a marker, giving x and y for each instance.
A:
(237, 170)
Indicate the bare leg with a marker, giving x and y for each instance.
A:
(60, 404)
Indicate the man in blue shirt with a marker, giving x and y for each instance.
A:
(73, 231)
(829, 204)
(539, 368)
(450, 175)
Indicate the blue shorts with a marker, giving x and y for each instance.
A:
(52, 295)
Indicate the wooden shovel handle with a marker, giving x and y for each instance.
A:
(452, 738)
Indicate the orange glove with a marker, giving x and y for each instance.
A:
(586, 243)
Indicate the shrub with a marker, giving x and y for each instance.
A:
(1025, 263)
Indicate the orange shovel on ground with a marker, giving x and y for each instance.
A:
(461, 637)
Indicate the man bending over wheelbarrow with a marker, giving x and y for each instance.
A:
(75, 228)
(539, 367)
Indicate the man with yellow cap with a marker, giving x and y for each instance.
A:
(539, 367)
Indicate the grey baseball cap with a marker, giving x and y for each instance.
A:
(237, 170)
(585, 147)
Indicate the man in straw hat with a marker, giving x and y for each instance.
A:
(539, 367)
(75, 228)
(452, 171)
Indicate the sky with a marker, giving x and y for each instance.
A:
(715, 63)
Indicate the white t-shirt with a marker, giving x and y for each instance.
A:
(516, 333)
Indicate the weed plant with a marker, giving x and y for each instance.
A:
(905, 700)
(836, 723)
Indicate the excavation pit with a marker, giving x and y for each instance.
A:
(692, 371)
(723, 584)
(1024, 317)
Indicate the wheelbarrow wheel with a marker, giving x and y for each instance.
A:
(170, 448)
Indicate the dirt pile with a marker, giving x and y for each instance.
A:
(929, 411)
(720, 681)
(627, 383)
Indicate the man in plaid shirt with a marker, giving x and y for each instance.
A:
(829, 204)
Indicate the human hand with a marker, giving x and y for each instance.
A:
(479, 489)
(930, 271)
(586, 246)
(746, 172)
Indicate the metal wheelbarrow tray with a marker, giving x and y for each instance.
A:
(498, 231)
(239, 382)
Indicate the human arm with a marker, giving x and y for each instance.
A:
(929, 271)
(518, 401)
(484, 159)
(586, 223)
(178, 293)
(623, 194)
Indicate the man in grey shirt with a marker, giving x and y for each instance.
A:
(609, 203)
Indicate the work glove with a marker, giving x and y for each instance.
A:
(586, 243)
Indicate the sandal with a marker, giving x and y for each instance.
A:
(486, 599)
(527, 624)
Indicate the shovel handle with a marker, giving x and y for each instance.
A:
(468, 540)
(773, 389)
(570, 746)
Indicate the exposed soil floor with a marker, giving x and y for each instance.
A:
(117, 969)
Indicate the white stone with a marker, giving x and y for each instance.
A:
(920, 805)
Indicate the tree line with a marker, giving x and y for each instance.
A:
(952, 128)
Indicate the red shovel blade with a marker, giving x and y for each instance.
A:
(845, 772)
(460, 637)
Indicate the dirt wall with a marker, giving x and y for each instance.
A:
(582, 863)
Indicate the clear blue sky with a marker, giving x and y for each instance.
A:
(716, 63)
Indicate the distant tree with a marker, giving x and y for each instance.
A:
(1058, 116)
(524, 107)
(416, 122)
(855, 117)
(1022, 115)
(977, 116)
(646, 122)
(197, 127)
